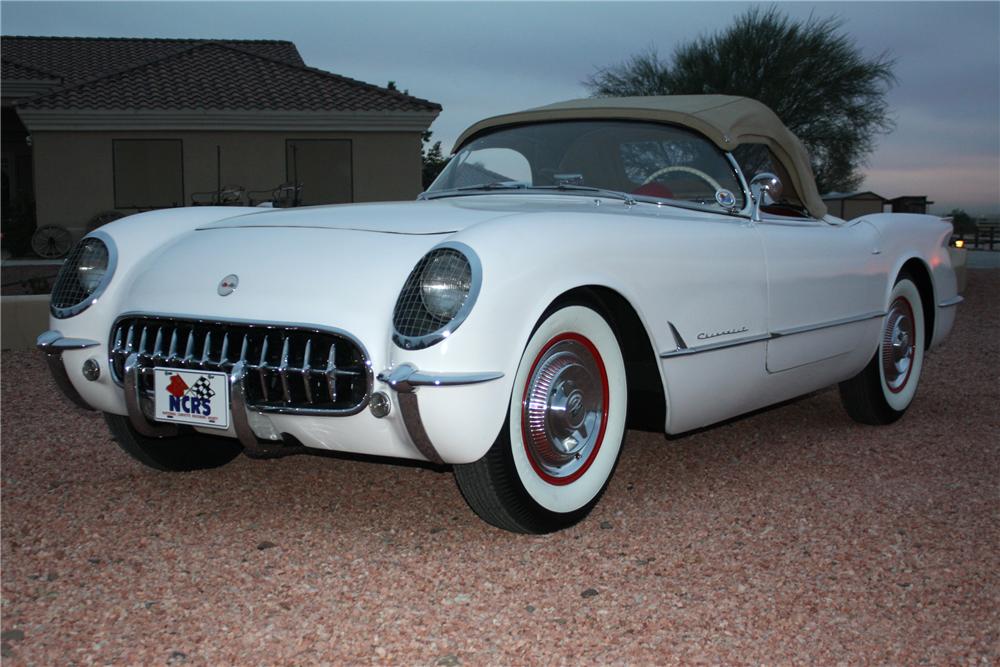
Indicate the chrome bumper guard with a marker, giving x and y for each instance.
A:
(405, 379)
(53, 344)
(242, 414)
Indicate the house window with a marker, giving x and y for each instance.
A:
(323, 169)
(149, 173)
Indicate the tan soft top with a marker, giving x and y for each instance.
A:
(725, 119)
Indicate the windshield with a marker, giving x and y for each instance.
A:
(648, 161)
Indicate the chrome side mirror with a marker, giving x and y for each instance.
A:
(765, 189)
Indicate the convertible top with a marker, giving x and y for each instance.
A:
(726, 120)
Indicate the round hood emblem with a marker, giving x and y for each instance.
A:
(228, 284)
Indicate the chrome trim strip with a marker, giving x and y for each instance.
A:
(954, 301)
(133, 403)
(70, 311)
(404, 379)
(776, 334)
(52, 342)
(678, 339)
(410, 410)
(684, 351)
(434, 337)
(53, 345)
(284, 410)
(827, 325)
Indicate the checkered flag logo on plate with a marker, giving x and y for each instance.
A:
(202, 388)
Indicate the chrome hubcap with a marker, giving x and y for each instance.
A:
(898, 345)
(564, 408)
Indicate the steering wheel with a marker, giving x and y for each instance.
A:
(687, 170)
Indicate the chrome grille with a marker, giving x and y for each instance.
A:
(289, 368)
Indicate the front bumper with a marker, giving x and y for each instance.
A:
(260, 433)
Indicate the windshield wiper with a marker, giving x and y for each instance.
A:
(604, 192)
(496, 185)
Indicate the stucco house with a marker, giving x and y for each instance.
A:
(98, 124)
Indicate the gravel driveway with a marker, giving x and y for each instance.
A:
(790, 536)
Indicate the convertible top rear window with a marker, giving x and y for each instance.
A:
(648, 161)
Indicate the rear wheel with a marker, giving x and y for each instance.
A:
(176, 454)
(564, 429)
(881, 393)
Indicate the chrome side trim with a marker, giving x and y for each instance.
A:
(410, 410)
(954, 301)
(133, 403)
(684, 351)
(53, 344)
(827, 325)
(405, 379)
(678, 339)
(775, 334)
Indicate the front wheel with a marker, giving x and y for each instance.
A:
(882, 392)
(561, 440)
(177, 454)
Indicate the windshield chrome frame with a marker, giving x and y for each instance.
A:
(628, 198)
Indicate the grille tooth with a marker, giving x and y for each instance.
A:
(283, 371)
(329, 386)
(331, 372)
(158, 345)
(172, 354)
(189, 348)
(262, 368)
(206, 349)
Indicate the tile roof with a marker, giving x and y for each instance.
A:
(222, 76)
(11, 69)
(77, 59)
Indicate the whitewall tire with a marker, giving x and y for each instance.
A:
(882, 392)
(564, 430)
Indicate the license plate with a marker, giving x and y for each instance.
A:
(198, 398)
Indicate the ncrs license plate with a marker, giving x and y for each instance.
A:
(197, 398)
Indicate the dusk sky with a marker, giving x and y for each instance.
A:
(481, 59)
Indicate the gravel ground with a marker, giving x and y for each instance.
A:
(790, 536)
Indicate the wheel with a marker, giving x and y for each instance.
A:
(564, 429)
(687, 170)
(179, 454)
(882, 392)
(51, 241)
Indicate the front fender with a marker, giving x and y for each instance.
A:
(520, 281)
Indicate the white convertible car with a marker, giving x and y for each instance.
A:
(655, 262)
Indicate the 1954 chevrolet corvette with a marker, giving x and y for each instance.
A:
(656, 262)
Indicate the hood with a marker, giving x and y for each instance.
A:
(416, 218)
(422, 217)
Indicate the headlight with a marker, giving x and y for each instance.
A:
(445, 284)
(437, 296)
(83, 276)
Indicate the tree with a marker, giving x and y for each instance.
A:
(808, 72)
(962, 221)
(433, 159)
